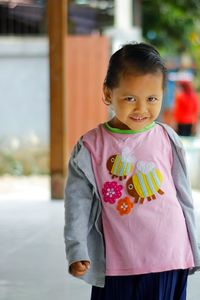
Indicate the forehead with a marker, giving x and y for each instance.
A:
(149, 81)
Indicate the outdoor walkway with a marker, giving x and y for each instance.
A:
(32, 256)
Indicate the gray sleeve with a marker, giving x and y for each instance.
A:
(184, 195)
(78, 202)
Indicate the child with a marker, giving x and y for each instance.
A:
(130, 229)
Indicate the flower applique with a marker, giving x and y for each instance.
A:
(111, 191)
(124, 206)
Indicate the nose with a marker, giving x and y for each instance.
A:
(140, 107)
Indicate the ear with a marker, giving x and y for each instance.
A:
(107, 95)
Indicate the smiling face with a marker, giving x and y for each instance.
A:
(136, 101)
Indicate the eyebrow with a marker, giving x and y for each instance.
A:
(134, 95)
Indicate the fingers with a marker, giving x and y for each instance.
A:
(86, 263)
(79, 268)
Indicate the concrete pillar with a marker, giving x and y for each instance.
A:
(123, 11)
(124, 30)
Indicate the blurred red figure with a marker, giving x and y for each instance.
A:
(186, 109)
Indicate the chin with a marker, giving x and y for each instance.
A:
(139, 125)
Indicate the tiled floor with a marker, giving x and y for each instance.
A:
(32, 257)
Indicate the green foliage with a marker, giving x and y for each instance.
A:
(169, 24)
(24, 162)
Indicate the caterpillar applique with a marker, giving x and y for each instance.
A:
(121, 165)
(145, 183)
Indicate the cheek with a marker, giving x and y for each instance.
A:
(121, 107)
(156, 109)
(122, 112)
(117, 107)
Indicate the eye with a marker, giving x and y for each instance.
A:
(130, 186)
(152, 99)
(130, 99)
(112, 159)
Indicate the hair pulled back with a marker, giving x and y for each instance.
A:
(134, 58)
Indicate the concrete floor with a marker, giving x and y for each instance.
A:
(32, 257)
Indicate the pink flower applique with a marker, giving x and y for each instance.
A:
(111, 191)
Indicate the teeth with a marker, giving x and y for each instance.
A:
(138, 118)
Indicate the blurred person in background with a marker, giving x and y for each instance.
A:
(186, 109)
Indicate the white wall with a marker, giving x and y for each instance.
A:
(24, 91)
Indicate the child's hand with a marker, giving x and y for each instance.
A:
(79, 268)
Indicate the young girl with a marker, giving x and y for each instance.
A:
(130, 229)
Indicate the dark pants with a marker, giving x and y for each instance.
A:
(170, 285)
(184, 129)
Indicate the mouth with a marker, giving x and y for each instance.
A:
(138, 118)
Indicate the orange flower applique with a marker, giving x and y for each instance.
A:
(124, 206)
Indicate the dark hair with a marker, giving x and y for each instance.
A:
(134, 58)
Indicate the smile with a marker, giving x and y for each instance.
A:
(138, 119)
